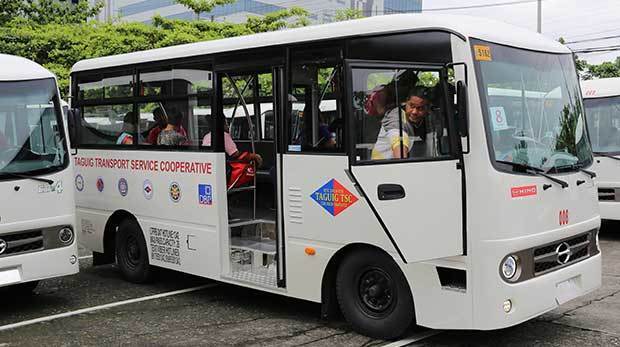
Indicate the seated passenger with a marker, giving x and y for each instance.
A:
(129, 128)
(171, 135)
(160, 117)
(413, 119)
(230, 147)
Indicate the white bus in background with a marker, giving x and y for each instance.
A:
(490, 220)
(602, 107)
(37, 213)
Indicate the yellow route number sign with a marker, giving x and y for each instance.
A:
(482, 53)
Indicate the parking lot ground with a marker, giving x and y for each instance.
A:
(222, 314)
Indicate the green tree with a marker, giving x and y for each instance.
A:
(202, 6)
(348, 14)
(58, 45)
(605, 70)
(286, 18)
(47, 11)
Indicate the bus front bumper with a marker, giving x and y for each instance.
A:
(610, 210)
(511, 304)
(40, 265)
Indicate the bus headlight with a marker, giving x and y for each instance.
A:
(510, 268)
(65, 235)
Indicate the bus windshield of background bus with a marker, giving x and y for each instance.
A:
(533, 110)
(603, 116)
(31, 139)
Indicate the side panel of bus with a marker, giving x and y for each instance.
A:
(180, 225)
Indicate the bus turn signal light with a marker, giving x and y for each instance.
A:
(310, 251)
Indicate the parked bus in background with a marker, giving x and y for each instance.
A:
(414, 168)
(37, 213)
(601, 99)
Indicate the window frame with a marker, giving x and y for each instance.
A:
(135, 100)
(351, 64)
(329, 61)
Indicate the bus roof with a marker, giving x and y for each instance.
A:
(601, 88)
(13, 68)
(464, 26)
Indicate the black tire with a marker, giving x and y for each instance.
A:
(132, 255)
(23, 289)
(374, 295)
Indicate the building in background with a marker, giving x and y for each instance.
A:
(321, 11)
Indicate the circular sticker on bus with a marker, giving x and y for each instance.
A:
(147, 189)
(175, 192)
(100, 185)
(79, 182)
(123, 187)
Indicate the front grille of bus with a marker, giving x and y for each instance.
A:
(607, 194)
(546, 257)
(23, 242)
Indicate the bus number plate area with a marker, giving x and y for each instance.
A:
(9, 276)
(567, 290)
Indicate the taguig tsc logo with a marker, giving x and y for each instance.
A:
(334, 197)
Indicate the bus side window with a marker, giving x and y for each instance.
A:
(315, 109)
(184, 92)
(399, 114)
(103, 124)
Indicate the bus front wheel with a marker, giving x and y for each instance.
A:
(373, 295)
(132, 254)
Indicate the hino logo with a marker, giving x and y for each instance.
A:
(3, 246)
(563, 253)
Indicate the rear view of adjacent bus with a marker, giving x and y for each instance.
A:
(37, 239)
(602, 105)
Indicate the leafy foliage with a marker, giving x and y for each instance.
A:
(200, 6)
(48, 11)
(348, 14)
(58, 43)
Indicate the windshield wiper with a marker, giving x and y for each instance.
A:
(535, 171)
(576, 167)
(17, 175)
(601, 154)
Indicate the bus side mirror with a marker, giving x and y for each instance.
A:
(462, 119)
(73, 122)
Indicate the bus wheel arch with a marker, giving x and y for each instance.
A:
(401, 313)
(130, 248)
(109, 237)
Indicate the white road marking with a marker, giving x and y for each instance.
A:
(85, 257)
(103, 307)
(413, 338)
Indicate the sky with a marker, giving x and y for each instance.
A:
(574, 20)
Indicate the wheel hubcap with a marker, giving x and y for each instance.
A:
(376, 290)
(133, 251)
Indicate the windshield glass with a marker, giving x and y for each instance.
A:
(31, 135)
(532, 107)
(603, 116)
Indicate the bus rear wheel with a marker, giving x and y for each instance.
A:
(132, 254)
(373, 295)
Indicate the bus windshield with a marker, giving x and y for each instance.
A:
(533, 112)
(603, 116)
(31, 135)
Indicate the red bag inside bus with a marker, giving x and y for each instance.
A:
(241, 171)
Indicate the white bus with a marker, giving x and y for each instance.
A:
(37, 213)
(485, 219)
(602, 107)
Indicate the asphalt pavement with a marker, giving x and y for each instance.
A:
(97, 308)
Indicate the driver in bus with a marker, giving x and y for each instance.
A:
(413, 116)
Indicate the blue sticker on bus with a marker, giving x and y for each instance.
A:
(205, 194)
